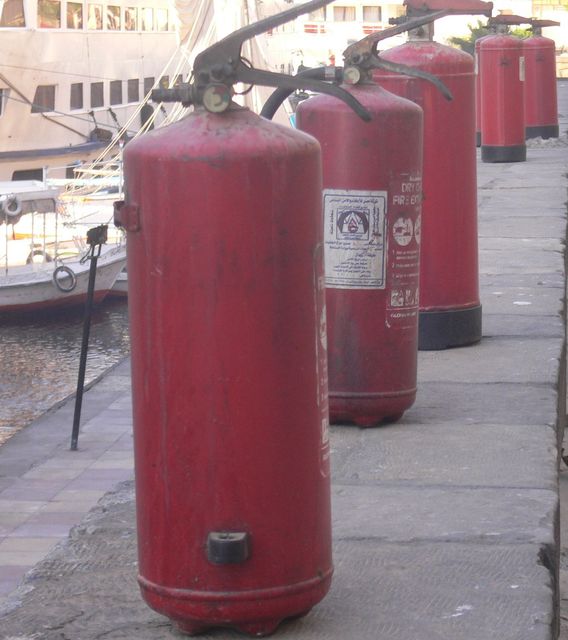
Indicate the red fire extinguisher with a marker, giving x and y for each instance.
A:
(229, 374)
(372, 181)
(541, 105)
(450, 310)
(502, 76)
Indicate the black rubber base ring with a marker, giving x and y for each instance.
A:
(478, 138)
(516, 153)
(544, 131)
(447, 329)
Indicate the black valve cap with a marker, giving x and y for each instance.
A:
(228, 547)
(181, 93)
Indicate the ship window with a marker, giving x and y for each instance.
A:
(344, 14)
(49, 14)
(113, 18)
(147, 19)
(74, 15)
(371, 14)
(133, 87)
(44, 99)
(76, 96)
(131, 19)
(28, 174)
(318, 14)
(97, 95)
(12, 14)
(161, 19)
(148, 85)
(116, 91)
(95, 19)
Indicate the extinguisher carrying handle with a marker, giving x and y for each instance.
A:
(221, 66)
(362, 56)
(323, 74)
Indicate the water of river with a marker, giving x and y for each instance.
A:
(39, 359)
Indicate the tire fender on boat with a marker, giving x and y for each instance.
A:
(11, 206)
(60, 270)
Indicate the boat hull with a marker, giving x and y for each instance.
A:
(32, 288)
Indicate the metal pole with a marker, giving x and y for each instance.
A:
(95, 238)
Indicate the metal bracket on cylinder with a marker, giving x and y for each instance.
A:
(126, 216)
(228, 547)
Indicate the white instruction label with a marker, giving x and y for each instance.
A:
(355, 239)
(522, 68)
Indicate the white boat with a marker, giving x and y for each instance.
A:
(43, 253)
(73, 74)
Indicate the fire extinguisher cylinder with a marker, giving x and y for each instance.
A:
(541, 101)
(502, 79)
(450, 308)
(372, 191)
(229, 362)
(371, 226)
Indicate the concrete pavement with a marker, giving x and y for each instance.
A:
(445, 524)
(45, 489)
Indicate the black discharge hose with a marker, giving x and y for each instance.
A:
(331, 74)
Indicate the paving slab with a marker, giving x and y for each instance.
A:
(495, 360)
(518, 255)
(444, 514)
(487, 403)
(523, 300)
(507, 224)
(520, 455)
(530, 326)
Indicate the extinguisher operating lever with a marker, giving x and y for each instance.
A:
(366, 47)
(387, 65)
(221, 66)
(362, 56)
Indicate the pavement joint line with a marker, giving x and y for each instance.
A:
(449, 487)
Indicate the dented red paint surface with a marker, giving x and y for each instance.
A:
(372, 186)
(226, 303)
(449, 253)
